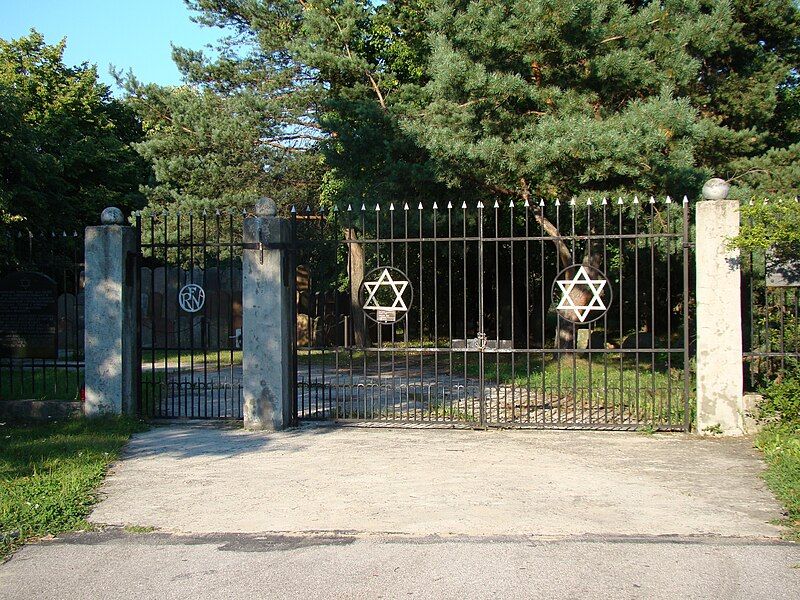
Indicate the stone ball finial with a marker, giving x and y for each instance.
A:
(112, 216)
(716, 189)
(266, 207)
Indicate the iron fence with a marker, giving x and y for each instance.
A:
(523, 315)
(189, 314)
(41, 314)
(770, 311)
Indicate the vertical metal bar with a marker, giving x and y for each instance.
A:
(589, 353)
(685, 305)
(605, 316)
(512, 300)
(137, 274)
(623, 409)
(481, 329)
(636, 303)
(191, 317)
(470, 414)
(169, 398)
(204, 332)
(496, 309)
(528, 313)
(294, 309)
(653, 313)
(450, 305)
(435, 313)
(421, 303)
(235, 386)
(670, 250)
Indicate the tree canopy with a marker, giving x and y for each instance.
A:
(411, 99)
(65, 143)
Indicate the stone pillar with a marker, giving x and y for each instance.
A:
(110, 315)
(719, 315)
(266, 320)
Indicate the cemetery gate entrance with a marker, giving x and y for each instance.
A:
(189, 275)
(570, 315)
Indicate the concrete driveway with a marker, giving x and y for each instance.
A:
(368, 512)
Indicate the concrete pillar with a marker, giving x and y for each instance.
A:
(110, 316)
(266, 320)
(719, 315)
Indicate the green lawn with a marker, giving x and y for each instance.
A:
(41, 383)
(780, 444)
(49, 473)
(186, 357)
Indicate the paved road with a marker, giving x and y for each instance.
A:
(397, 513)
(118, 565)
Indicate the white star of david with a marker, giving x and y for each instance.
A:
(568, 302)
(399, 287)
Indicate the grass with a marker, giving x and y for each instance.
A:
(41, 383)
(186, 356)
(780, 444)
(49, 473)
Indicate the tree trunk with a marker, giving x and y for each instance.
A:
(355, 268)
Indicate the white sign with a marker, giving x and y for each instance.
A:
(192, 297)
(581, 310)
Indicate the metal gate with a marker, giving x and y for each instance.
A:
(189, 314)
(515, 315)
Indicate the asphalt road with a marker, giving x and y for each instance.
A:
(333, 512)
(114, 564)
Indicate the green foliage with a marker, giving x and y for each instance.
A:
(780, 444)
(48, 474)
(65, 144)
(410, 99)
(782, 400)
(770, 226)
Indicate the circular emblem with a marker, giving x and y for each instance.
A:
(192, 297)
(582, 292)
(386, 295)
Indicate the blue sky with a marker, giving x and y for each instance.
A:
(126, 33)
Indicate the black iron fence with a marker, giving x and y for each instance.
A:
(534, 314)
(190, 314)
(770, 317)
(41, 314)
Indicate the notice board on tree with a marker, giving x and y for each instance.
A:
(28, 316)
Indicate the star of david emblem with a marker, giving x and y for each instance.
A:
(396, 307)
(582, 278)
